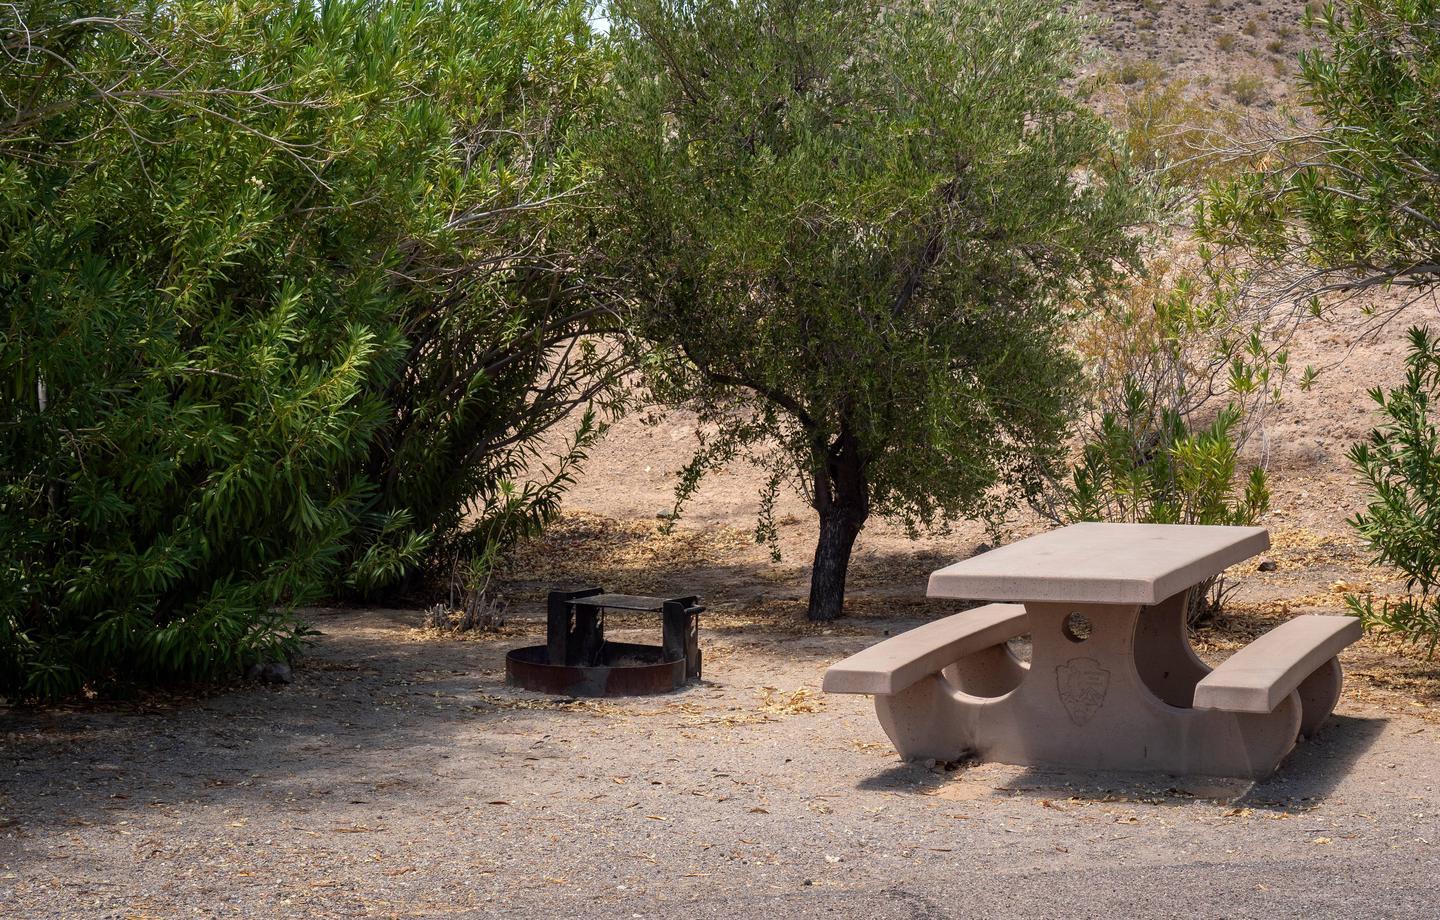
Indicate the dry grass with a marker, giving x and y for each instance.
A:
(621, 555)
(1314, 573)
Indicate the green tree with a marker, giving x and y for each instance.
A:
(854, 231)
(1354, 203)
(269, 272)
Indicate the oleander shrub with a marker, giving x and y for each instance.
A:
(1147, 466)
(278, 280)
(1143, 463)
(1400, 462)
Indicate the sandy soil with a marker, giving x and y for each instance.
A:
(398, 776)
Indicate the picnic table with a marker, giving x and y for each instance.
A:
(1112, 682)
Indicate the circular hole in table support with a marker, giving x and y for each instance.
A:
(1020, 648)
(989, 673)
(1077, 627)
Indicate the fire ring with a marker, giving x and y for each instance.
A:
(577, 660)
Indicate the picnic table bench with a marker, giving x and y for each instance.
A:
(1112, 682)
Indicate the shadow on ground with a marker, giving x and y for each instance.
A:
(722, 564)
(372, 710)
(1309, 775)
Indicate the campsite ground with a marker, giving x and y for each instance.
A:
(398, 776)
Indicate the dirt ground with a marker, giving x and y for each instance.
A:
(399, 777)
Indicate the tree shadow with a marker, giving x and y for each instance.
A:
(370, 711)
(721, 563)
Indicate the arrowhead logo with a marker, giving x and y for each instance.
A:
(1082, 684)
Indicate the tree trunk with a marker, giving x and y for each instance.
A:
(842, 498)
(832, 559)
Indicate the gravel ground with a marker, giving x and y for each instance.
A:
(397, 776)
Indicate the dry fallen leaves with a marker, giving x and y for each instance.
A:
(803, 700)
(1350, 587)
(584, 547)
(596, 707)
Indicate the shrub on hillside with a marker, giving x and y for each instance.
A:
(1246, 89)
(1176, 132)
(277, 285)
(1350, 201)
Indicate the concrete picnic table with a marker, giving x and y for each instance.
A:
(1112, 682)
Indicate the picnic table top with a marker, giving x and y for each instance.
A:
(1101, 563)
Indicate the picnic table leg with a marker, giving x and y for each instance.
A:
(1163, 655)
(1085, 704)
(925, 720)
(1318, 695)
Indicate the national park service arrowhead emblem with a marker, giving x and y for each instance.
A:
(1082, 685)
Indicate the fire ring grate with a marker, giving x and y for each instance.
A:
(577, 660)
